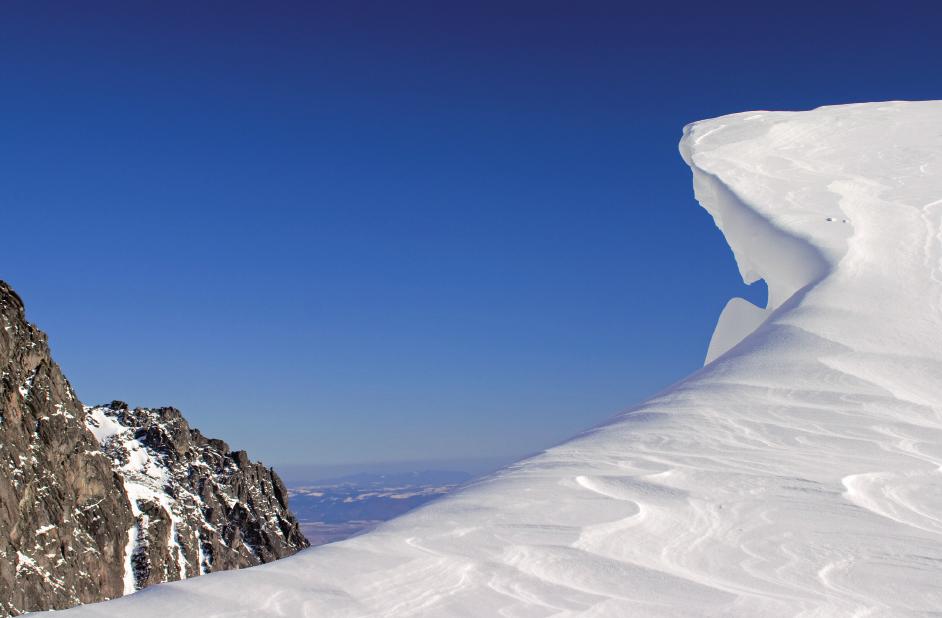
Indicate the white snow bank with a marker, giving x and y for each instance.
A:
(797, 474)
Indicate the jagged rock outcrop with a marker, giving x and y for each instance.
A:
(98, 502)
(198, 506)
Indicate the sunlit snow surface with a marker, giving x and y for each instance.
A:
(797, 474)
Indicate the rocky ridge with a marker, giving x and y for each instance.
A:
(97, 502)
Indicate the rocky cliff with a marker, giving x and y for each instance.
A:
(96, 502)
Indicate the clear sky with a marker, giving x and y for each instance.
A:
(336, 232)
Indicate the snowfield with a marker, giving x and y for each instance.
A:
(799, 473)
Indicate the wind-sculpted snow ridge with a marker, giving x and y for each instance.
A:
(797, 474)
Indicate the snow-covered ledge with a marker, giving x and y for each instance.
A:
(773, 235)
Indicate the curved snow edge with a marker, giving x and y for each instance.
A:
(762, 250)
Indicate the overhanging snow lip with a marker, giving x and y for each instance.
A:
(789, 264)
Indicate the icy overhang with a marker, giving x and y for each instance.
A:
(780, 217)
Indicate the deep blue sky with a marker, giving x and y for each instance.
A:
(350, 231)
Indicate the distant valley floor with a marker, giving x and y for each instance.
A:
(331, 510)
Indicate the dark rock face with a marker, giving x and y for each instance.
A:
(99, 502)
(63, 514)
(198, 506)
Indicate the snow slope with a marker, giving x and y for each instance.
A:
(798, 473)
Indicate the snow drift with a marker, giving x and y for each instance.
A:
(798, 473)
